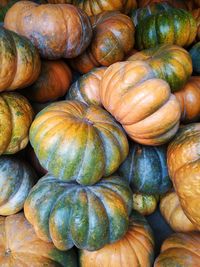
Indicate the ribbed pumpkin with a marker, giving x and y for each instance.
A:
(195, 55)
(21, 247)
(184, 167)
(87, 87)
(88, 217)
(145, 204)
(146, 169)
(140, 102)
(74, 141)
(196, 15)
(180, 250)
(135, 249)
(51, 28)
(113, 38)
(53, 82)
(16, 115)
(189, 99)
(175, 3)
(175, 26)
(19, 59)
(169, 62)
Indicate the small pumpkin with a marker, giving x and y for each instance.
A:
(136, 248)
(195, 55)
(145, 204)
(196, 15)
(16, 116)
(51, 28)
(88, 217)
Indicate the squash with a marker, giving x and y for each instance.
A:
(51, 28)
(21, 247)
(189, 99)
(195, 55)
(196, 15)
(174, 26)
(19, 59)
(53, 82)
(135, 249)
(87, 87)
(146, 169)
(184, 167)
(169, 62)
(174, 3)
(113, 38)
(140, 102)
(98, 143)
(88, 217)
(180, 250)
(145, 204)
(16, 116)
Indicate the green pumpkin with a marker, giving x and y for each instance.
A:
(88, 217)
(195, 55)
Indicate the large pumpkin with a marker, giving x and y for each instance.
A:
(21, 247)
(140, 102)
(74, 141)
(145, 204)
(113, 38)
(88, 217)
(16, 116)
(169, 62)
(135, 249)
(184, 168)
(180, 250)
(195, 55)
(51, 28)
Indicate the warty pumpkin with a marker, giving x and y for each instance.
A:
(88, 217)
(145, 204)
(140, 102)
(195, 55)
(51, 28)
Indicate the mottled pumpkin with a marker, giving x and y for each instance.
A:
(196, 15)
(135, 249)
(51, 28)
(21, 247)
(74, 141)
(174, 3)
(169, 62)
(140, 102)
(145, 204)
(180, 250)
(184, 167)
(88, 217)
(16, 116)
(195, 55)
(113, 38)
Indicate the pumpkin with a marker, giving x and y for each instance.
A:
(180, 250)
(20, 61)
(88, 217)
(183, 164)
(95, 7)
(174, 3)
(16, 116)
(113, 38)
(51, 28)
(53, 82)
(174, 26)
(196, 15)
(140, 102)
(87, 87)
(189, 99)
(74, 141)
(21, 247)
(169, 62)
(145, 204)
(195, 55)
(136, 248)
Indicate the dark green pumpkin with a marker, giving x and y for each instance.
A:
(88, 217)
(195, 55)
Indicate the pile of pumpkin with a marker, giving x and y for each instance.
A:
(99, 112)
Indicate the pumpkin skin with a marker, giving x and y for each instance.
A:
(113, 38)
(88, 217)
(195, 55)
(136, 248)
(180, 250)
(40, 22)
(16, 116)
(175, 26)
(196, 15)
(183, 165)
(20, 247)
(169, 62)
(125, 92)
(145, 204)
(87, 88)
(53, 82)
(189, 99)
(98, 143)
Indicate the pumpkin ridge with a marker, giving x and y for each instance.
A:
(143, 233)
(131, 246)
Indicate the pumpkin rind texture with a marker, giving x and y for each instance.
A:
(195, 55)
(88, 217)
(51, 28)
